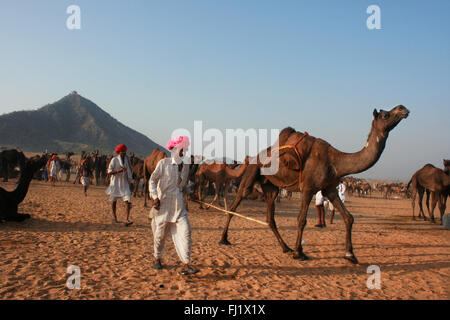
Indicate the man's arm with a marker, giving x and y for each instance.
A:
(111, 168)
(154, 178)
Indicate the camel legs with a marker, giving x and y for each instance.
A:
(435, 197)
(301, 222)
(443, 204)
(216, 194)
(271, 194)
(225, 191)
(236, 202)
(421, 191)
(348, 219)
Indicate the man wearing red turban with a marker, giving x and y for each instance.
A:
(121, 176)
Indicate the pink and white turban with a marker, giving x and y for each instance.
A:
(181, 142)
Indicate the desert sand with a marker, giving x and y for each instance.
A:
(116, 261)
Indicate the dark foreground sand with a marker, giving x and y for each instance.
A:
(116, 262)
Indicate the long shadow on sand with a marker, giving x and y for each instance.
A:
(299, 269)
(41, 225)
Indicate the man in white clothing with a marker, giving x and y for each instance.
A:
(166, 185)
(121, 177)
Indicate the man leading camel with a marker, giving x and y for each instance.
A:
(166, 185)
(119, 187)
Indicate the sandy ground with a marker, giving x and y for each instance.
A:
(116, 262)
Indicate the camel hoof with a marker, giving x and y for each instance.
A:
(300, 256)
(287, 250)
(224, 242)
(351, 258)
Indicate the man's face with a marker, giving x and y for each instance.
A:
(122, 154)
(181, 153)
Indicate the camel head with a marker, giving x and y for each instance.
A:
(385, 121)
(35, 163)
(447, 166)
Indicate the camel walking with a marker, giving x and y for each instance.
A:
(221, 175)
(149, 166)
(308, 165)
(435, 182)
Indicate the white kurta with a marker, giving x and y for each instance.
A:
(341, 191)
(54, 168)
(166, 184)
(119, 186)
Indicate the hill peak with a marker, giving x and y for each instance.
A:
(73, 123)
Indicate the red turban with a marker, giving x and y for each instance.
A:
(121, 148)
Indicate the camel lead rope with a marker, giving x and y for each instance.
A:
(233, 213)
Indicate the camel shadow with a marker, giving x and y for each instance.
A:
(41, 225)
(252, 270)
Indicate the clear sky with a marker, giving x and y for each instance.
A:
(314, 65)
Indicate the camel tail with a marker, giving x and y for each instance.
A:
(409, 183)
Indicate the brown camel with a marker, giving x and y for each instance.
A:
(149, 166)
(221, 175)
(10, 200)
(137, 168)
(434, 181)
(447, 167)
(320, 168)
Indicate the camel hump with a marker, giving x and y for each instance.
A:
(285, 134)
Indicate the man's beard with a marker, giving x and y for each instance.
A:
(178, 159)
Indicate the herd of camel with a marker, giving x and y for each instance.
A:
(306, 164)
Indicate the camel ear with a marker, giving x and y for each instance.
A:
(375, 113)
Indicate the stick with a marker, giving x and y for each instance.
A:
(233, 213)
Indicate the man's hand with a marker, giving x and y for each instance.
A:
(118, 171)
(156, 203)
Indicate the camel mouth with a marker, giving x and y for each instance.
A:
(405, 114)
(402, 112)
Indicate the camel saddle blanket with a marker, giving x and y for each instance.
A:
(294, 147)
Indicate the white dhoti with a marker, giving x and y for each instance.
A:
(166, 183)
(181, 236)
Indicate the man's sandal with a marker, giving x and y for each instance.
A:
(188, 271)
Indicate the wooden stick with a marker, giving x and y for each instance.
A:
(233, 213)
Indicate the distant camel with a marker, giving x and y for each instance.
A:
(221, 175)
(9, 159)
(10, 200)
(149, 166)
(137, 168)
(437, 182)
(99, 167)
(66, 166)
(308, 165)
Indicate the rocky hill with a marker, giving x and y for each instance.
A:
(73, 123)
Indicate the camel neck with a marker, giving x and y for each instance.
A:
(24, 182)
(352, 163)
